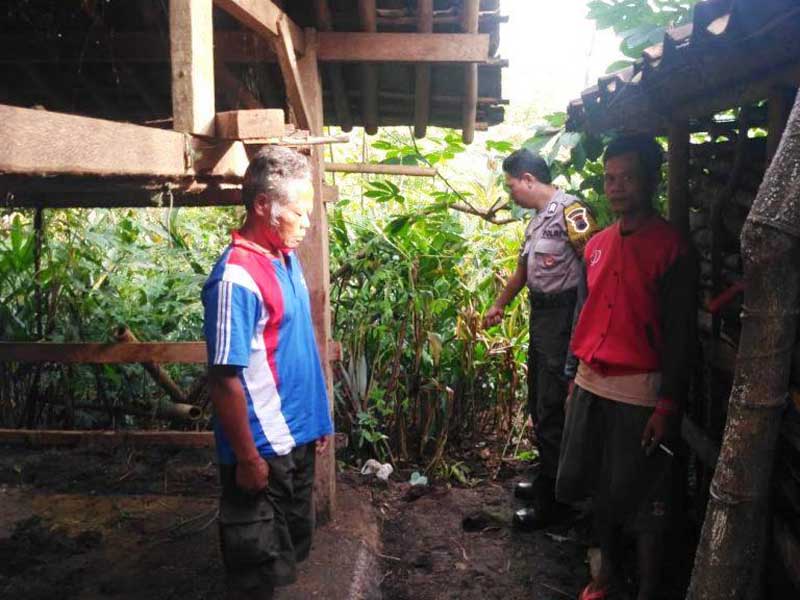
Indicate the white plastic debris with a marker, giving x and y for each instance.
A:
(381, 471)
(417, 479)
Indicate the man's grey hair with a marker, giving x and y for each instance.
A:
(272, 171)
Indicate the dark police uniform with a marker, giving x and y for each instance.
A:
(552, 251)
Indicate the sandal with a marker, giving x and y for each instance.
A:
(589, 593)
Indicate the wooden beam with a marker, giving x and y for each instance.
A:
(380, 169)
(422, 75)
(314, 256)
(678, 174)
(469, 111)
(263, 17)
(247, 47)
(44, 143)
(75, 197)
(37, 438)
(382, 47)
(341, 100)
(369, 73)
(99, 353)
(38, 142)
(291, 76)
(779, 105)
(248, 124)
(192, 52)
(234, 88)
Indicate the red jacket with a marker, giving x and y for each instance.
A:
(639, 309)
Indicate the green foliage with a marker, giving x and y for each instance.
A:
(100, 269)
(640, 23)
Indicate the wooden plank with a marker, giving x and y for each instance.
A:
(422, 75)
(433, 48)
(341, 100)
(263, 17)
(369, 73)
(43, 438)
(248, 124)
(37, 142)
(469, 111)
(678, 175)
(100, 353)
(314, 256)
(291, 76)
(379, 169)
(192, 53)
(43, 143)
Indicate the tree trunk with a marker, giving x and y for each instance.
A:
(730, 557)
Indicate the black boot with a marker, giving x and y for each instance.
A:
(543, 510)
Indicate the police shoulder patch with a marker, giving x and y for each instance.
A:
(581, 224)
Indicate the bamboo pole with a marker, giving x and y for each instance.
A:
(730, 557)
(380, 169)
(159, 375)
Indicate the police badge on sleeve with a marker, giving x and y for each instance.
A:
(581, 225)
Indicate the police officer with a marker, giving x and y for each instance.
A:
(550, 264)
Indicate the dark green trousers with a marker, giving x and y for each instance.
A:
(263, 536)
(550, 328)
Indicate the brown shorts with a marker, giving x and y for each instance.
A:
(264, 535)
(602, 457)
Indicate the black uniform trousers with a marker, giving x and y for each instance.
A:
(550, 328)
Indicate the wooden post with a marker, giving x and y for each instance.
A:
(470, 106)
(369, 74)
(192, 51)
(313, 254)
(341, 100)
(779, 104)
(422, 86)
(678, 175)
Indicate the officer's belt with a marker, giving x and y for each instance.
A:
(556, 300)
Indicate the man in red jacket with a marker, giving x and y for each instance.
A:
(633, 338)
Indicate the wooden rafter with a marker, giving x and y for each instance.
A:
(369, 73)
(192, 52)
(422, 75)
(470, 108)
(429, 48)
(264, 17)
(341, 101)
(291, 75)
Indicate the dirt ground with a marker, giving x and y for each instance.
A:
(131, 524)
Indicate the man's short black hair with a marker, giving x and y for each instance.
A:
(650, 155)
(524, 161)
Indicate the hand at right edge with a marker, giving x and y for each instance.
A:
(252, 475)
(492, 317)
